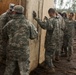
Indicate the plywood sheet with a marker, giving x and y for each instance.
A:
(4, 4)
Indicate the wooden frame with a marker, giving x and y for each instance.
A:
(0, 0)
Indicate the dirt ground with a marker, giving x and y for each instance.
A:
(62, 68)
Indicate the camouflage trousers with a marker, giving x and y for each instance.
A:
(58, 48)
(68, 46)
(3, 52)
(49, 54)
(11, 65)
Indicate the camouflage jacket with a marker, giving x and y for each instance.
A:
(4, 18)
(70, 28)
(1, 42)
(19, 31)
(61, 26)
(52, 33)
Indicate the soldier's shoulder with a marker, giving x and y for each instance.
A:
(28, 22)
(52, 20)
(3, 16)
(55, 19)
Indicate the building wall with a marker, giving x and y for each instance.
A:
(34, 5)
(37, 46)
(47, 4)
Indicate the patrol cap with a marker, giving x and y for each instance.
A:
(11, 6)
(19, 9)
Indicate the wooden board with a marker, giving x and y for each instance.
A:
(4, 4)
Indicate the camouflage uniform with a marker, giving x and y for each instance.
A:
(61, 28)
(69, 36)
(64, 46)
(4, 18)
(7, 16)
(51, 40)
(19, 31)
(1, 47)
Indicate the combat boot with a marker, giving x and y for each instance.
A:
(51, 70)
(69, 58)
(57, 59)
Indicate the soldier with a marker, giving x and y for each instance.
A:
(51, 39)
(69, 32)
(61, 28)
(4, 18)
(64, 46)
(64, 15)
(19, 30)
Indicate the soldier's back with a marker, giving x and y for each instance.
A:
(18, 31)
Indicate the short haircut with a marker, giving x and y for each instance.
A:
(51, 10)
(72, 13)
